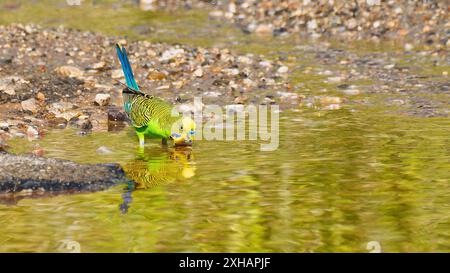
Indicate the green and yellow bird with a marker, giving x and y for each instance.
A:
(151, 116)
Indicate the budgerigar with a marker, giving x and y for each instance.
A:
(151, 116)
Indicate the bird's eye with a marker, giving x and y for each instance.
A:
(181, 128)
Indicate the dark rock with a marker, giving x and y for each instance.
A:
(31, 173)
(83, 123)
(116, 114)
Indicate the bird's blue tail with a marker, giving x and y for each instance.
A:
(126, 67)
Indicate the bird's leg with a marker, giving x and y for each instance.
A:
(164, 142)
(141, 140)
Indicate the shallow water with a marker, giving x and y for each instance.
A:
(338, 180)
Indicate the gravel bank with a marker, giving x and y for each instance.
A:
(421, 23)
(57, 77)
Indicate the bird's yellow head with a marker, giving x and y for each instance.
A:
(183, 132)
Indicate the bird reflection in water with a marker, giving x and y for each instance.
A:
(155, 167)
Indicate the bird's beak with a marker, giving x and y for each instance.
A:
(183, 141)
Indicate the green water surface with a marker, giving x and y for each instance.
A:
(339, 179)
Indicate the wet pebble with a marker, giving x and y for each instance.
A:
(104, 150)
(327, 100)
(351, 92)
(32, 132)
(38, 152)
(283, 69)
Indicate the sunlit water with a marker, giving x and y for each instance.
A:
(339, 179)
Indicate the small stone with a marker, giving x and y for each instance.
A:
(99, 122)
(265, 64)
(163, 87)
(264, 29)
(241, 99)
(326, 73)
(373, 2)
(352, 24)
(171, 54)
(232, 7)
(409, 47)
(283, 69)
(32, 132)
(249, 83)
(178, 84)
(9, 84)
(334, 106)
(268, 100)
(311, 25)
(29, 29)
(102, 99)
(351, 92)
(4, 126)
(104, 150)
(69, 71)
(426, 29)
(330, 100)
(216, 14)
(81, 122)
(334, 79)
(198, 72)
(104, 87)
(59, 107)
(117, 74)
(58, 123)
(398, 10)
(38, 152)
(288, 95)
(117, 114)
(16, 133)
(68, 115)
(30, 105)
(403, 32)
(212, 94)
(99, 66)
(156, 76)
(397, 102)
(231, 71)
(40, 96)
(245, 60)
